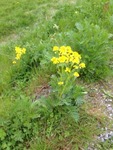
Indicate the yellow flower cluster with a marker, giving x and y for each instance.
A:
(19, 52)
(66, 55)
(71, 59)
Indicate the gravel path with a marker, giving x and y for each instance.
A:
(101, 97)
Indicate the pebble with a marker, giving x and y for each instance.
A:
(110, 109)
(109, 105)
(110, 115)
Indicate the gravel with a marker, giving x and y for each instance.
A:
(105, 102)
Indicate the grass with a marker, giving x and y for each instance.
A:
(39, 25)
(24, 21)
(18, 15)
(70, 135)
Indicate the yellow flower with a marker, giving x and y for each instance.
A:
(67, 69)
(62, 50)
(62, 59)
(55, 48)
(76, 60)
(14, 62)
(82, 65)
(23, 50)
(76, 54)
(18, 56)
(18, 50)
(69, 50)
(76, 67)
(76, 74)
(60, 83)
(55, 60)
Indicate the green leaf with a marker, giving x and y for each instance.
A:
(66, 102)
(79, 101)
(75, 115)
(73, 112)
(18, 136)
(2, 134)
(4, 145)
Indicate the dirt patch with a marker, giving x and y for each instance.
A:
(43, 90)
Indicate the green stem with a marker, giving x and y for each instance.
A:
(65, 85)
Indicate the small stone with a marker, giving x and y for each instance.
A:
(102, 140)
(101, 136)
(111, 133)
(110, 115)
(106, 128)
(110, 100)
(109, 105)
(110, 108)
(106, 136)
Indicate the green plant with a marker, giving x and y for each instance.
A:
(22, 65)
(18, 124)
(64, 89)
(85, 27)
(60, 131)
(93, 43)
